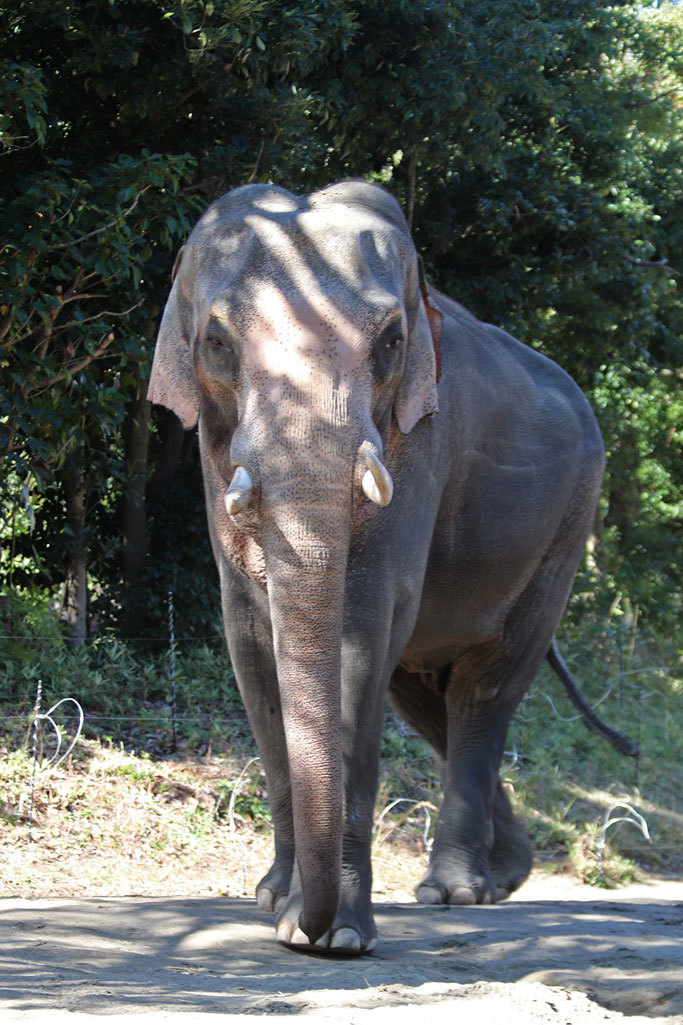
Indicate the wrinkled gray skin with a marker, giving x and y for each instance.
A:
(297, 334)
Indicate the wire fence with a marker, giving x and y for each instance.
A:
(170, 717)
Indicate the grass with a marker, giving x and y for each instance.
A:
(110, 822)
(125, 813)
(566, 779)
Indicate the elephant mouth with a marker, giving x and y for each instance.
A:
(240, 518)
(375, 482)
(246, 522)
(240, 538)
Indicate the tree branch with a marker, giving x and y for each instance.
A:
(105, 227)
(96, 316)
(258, 160)
(656, 265)
(73, 368)
(653, 99)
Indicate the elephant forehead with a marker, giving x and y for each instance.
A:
(315, 328)
(329, 247)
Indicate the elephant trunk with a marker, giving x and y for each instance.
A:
(305, 527)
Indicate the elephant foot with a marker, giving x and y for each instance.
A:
(269, 900)
(353, 932)
(511, 856)
(272, 891)
(511, 868)
(342, 941)
(446, 884)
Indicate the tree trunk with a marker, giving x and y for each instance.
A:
(76, 589)
(134, 512)
(410, 199)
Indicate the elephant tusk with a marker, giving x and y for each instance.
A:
(239, 492)
(377, 484)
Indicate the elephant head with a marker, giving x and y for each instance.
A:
(297, 332)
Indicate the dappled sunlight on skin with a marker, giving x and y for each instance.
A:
(317, 231)
(299, 335)
(292, 244)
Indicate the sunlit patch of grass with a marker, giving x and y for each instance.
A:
(114, 823)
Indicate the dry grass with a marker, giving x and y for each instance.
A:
(109, 823)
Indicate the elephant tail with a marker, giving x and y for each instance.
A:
(593, 721)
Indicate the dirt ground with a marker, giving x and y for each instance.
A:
(557, 952)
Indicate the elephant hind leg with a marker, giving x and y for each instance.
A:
(511, 856)
(509, 863)
(450, 879)
(480, 852)
(422, 706)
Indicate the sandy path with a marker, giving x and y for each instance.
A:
(557, 953)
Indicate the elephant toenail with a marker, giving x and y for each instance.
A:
(264, 899)
(324, 941)
(430, 895)
(346, 939)
(463, 895)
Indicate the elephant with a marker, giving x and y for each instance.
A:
(398, 497)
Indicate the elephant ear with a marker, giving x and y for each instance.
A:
(172, 382)
(417, 393)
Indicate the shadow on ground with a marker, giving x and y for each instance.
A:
(131, 955)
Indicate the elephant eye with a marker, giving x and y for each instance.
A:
(394, 343)
(219, 354)
(387, 353)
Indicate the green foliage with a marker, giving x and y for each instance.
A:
(640, 415)
(125, 692)
(249, 802)
(564, 778)
(28, 629)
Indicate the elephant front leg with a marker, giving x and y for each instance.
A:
(353, 931)
(253, 661)
(266, 723)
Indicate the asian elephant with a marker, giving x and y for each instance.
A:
(398, 498)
